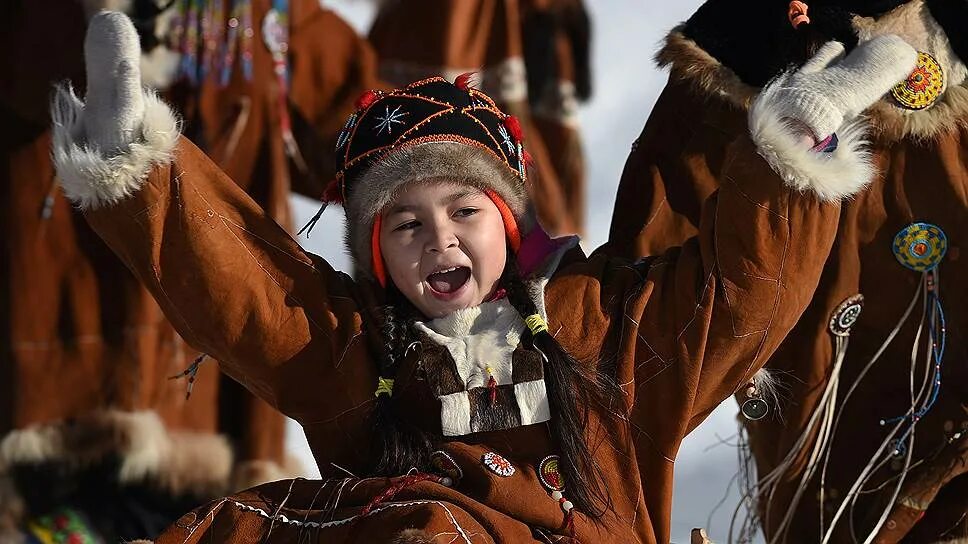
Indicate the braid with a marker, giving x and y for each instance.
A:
(572, 389)
(401, 445)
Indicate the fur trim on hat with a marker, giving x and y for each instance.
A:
(831, 176)
(463, 163)
(176, 461)
(89, 178)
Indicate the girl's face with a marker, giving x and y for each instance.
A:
(444, 246)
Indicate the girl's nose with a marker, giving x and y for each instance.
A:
(442, 238)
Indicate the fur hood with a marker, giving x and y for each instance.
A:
(716, 54)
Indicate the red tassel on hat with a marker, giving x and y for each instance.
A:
(528, 159)
(332, 194)
(366, 99)
(514, 127)
(463, 81)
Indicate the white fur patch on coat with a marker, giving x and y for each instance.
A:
(831, 176)
(89, 178)
(477, 338)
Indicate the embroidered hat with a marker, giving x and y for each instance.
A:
(430, 129)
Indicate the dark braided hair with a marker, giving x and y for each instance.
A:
(572, 389)
(401, 445)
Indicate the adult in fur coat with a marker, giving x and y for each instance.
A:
(492, 421)
(903, 479)
(87, 352)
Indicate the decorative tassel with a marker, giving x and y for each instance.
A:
(191, 371)
(492, 387)
(366, 99)
(528, 159)
(514, 127)
(308, 227)
(797, 13)
(332, 193)
(464, 81)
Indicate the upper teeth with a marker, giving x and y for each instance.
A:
(451, 269)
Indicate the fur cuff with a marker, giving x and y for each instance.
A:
(89, 178)
(176, 461)
(831, 176)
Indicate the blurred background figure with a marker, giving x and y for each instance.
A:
(531, 56)
(97, 441)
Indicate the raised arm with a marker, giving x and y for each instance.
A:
(231, 281)
(695, 323)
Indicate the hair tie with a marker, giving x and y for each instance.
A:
(798, 13)
(384, 386)
(536, 324)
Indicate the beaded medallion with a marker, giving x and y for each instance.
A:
(923, 87)
(846, 314)
(550, 475)
(497, 464)
(920, 246)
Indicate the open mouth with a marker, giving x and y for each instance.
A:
(449, 280)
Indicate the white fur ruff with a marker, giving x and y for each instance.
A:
(831, 176)
(88, 177)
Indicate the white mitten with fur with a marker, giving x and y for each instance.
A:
(105, 148)
(115, 103)
(830, 89)
(823, 101)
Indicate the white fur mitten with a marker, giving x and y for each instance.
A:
(114, 105)
(105, 147)
(830, 89)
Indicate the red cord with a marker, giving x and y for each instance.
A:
(395, 488)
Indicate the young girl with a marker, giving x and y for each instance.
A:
(477, 381)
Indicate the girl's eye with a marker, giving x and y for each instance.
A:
(409, 225)
(466, 212)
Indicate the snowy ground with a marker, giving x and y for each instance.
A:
(627, 33)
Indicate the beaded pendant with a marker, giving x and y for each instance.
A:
(923, 87)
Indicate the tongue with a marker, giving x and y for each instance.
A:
(448, 282)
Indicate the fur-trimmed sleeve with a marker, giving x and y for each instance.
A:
(233, 283)
(691, 326)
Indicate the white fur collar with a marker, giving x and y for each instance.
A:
(479, 338)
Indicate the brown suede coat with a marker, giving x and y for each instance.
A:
(415, 39)
(680, 333)
(679, 160)
(79, 332)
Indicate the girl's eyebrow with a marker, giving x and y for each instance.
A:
(449, 199)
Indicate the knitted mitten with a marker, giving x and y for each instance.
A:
(830, 89)
(115, 105)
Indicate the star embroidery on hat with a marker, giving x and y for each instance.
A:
(507, 139)
(389, 119)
